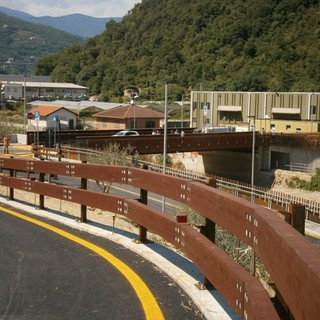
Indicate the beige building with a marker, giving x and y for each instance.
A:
(286, 112)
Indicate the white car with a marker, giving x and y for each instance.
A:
(126, 133)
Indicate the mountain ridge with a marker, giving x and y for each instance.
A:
(23, 43)
(77, 24)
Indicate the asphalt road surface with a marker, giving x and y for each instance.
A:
(50, 271)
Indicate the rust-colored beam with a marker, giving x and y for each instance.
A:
(292, 261)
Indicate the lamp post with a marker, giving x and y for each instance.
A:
(311, 110)
(134, 95)
(253, 148)
(182, 111)
(165, 140)
(253, 259)
(2, 97)
(24, 103)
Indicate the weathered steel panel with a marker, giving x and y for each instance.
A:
(293, 263)
(243, 292)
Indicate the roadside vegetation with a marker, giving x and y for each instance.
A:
(10, 123)
(298, 183)
(158, 159)
(113, 155)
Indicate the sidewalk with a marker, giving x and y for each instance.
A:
(312, 229)
(17, 151)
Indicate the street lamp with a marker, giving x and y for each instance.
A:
(182, 111)
(134, 95)
(2, 104)
(253, 148)
(24, 103)
(253, 255)
(165, 139)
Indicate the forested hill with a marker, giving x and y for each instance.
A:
(216, 45)
(23, 43)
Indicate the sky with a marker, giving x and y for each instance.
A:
(93, 8)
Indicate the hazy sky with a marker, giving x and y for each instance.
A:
(54, 8)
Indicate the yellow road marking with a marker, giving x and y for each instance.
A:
(149, 304)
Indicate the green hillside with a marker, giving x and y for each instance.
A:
(213, 44)
(23, 43)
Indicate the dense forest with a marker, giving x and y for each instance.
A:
(23, 43)
(269, 45)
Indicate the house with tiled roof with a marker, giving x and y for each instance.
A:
(42, 118)
(129, 116)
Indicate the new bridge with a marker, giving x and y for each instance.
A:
(146, 143)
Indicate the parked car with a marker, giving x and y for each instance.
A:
(126, 133)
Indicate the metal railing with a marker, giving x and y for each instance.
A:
(302, 167)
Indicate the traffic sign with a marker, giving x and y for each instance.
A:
(37, 115)
(30, 115)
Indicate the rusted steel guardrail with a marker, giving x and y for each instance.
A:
(292, 261)
(270, 198)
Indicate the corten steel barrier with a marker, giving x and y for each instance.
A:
(292, 261)
(269, 198)
(272, 199)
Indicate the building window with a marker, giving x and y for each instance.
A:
(150, 124)
(288, 127)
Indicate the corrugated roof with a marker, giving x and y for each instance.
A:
(129, 112)
(56, 85)
(76, 105)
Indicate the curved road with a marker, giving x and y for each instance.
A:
(49, 271)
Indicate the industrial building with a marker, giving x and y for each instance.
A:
(286, 112)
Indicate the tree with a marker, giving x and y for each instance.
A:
(113, 155)
(6, 127)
